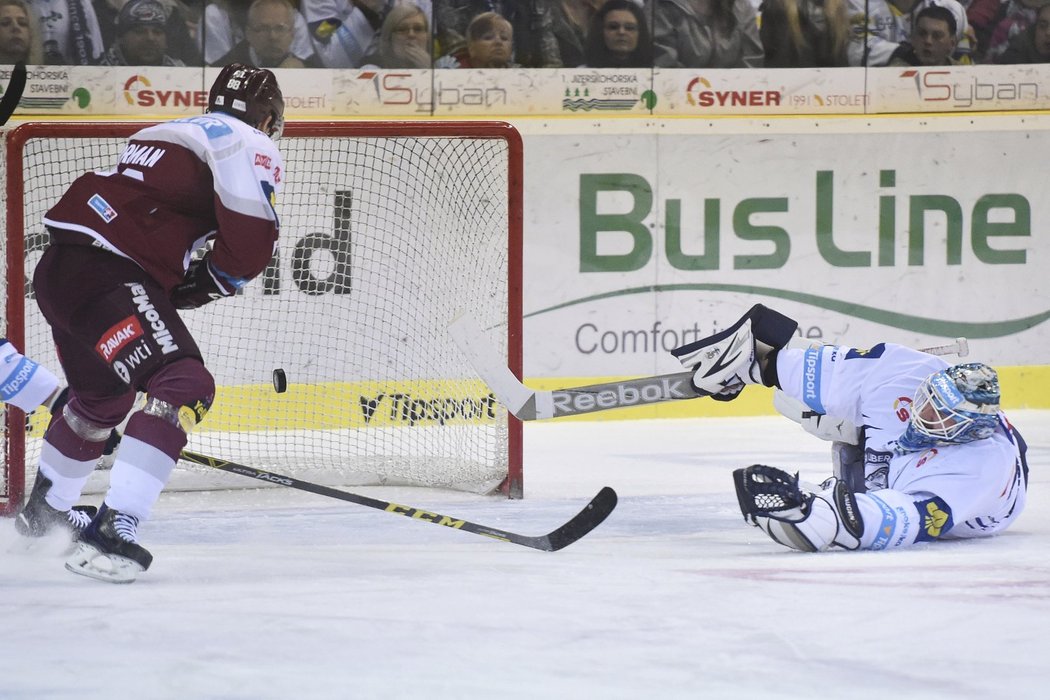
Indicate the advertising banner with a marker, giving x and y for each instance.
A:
(157, 92)
(638, 243)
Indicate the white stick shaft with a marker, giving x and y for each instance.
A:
(531, 404)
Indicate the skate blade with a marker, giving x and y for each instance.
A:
(88, 561)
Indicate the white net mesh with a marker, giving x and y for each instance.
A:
(383, 241)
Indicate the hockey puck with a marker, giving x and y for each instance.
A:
(280, 382)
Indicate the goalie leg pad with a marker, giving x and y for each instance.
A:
(23, 382)
(744, 353)
(772, 499)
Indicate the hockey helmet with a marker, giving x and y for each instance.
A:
(956, 405)
(250, 94)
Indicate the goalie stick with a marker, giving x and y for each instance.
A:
(533, 404)
(15, 87)
(579, 525)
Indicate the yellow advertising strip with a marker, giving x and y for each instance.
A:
(343, 405)
(1022, 387)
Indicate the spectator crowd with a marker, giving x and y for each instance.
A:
(407, 34)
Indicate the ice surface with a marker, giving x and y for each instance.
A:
(275, 593)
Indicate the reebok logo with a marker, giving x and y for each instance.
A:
(567, 402)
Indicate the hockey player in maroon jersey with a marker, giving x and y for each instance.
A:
(118, 267)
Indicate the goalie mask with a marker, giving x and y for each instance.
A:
(953, 406)
(250, 94)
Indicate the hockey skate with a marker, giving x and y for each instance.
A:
(108, 549)
(37, 518)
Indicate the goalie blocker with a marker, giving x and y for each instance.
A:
(745, 353)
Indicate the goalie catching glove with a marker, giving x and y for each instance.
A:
(772, 499)
(203, 284)
(745, 353)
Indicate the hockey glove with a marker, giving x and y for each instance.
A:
(771, 499)
(200, 286)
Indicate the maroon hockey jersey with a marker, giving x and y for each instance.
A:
(177, 185)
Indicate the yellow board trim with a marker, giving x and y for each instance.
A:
(1022, 387)
(342, 405)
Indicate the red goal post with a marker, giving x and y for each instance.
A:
(388, 231)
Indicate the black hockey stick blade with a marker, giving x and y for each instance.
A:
(586, 520)
(15, 87)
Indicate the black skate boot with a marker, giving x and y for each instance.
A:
(108, 549)
(37, 518)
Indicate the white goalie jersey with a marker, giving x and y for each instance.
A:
(966, 490)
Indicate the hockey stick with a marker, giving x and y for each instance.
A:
(532, 404)
(15, 87)
(583, 522)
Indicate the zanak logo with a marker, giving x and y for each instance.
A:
(662, 389)
(138, 91)
(700, 94)
(939, 86)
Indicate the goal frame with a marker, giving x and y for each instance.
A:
(15, 142)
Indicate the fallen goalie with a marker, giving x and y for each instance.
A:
(921, 450)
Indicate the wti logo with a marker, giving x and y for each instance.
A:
(139, 92)
(700, 93)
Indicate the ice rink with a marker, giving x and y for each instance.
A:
(276, 593)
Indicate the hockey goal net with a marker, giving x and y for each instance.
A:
(388, 231)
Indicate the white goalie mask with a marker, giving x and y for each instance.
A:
(953, 406)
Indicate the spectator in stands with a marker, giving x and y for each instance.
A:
(404, 40)
(344, 32)
(69, 32)
(490, 44)
(705, 34)
(142, 38)
(571, 20)
(997, 22)
(19, 34)
(532, 23)
(932, 41)
(270, 30)
(224, 26)
(890, 22)
(1033, 44)
(181, 29)
(619, 37)
(804, 33)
